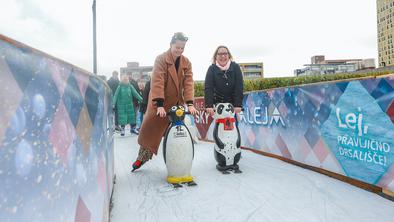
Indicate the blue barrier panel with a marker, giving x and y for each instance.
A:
(345, 127)
(56, 139)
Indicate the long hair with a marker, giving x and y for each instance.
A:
(216, 52)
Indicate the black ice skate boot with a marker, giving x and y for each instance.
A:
(122, 131)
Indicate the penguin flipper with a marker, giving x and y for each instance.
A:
(239, 138)
(218, 142)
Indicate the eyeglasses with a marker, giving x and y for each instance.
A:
(222, 54)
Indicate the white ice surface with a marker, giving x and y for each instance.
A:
(267, 190)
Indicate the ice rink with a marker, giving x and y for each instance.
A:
(267, 190)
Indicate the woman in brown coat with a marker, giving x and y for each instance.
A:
(172, 83)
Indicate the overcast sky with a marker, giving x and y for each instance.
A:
(283, 34)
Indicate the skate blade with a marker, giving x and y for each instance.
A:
(191, 183)
(176, 185)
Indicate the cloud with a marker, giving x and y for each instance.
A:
(29, 22)
(252, 52)
(281, 34)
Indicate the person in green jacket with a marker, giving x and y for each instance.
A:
(123, 100)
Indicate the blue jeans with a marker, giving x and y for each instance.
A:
(140, 117)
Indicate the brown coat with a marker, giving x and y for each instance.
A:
(174, 88)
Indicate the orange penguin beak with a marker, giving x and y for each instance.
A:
(179, 112)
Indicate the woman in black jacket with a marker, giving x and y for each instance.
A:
(145, 98)
(223, 82)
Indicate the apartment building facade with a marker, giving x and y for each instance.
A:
(252, 70)
(136, 71)
(385, 18)
(320, 66)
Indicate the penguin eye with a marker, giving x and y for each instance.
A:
(220, 109)
(173, 108)
(182, 108)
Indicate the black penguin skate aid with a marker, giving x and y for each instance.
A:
(227, 139)
(178, 149)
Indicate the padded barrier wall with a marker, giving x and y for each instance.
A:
(344, 127)
(56, 144)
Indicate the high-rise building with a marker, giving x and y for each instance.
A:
(385, 18)
(252, 70)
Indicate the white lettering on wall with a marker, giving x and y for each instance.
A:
(352, 121)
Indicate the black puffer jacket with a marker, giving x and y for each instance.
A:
(145, 97)
(113, 84)
(225, 87)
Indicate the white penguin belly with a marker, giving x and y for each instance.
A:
(179, 152)
(189, 122)
(229, 139)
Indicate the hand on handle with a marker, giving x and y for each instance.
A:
(210, 111)
(161, 112)
(238, 109)
(192, 110)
